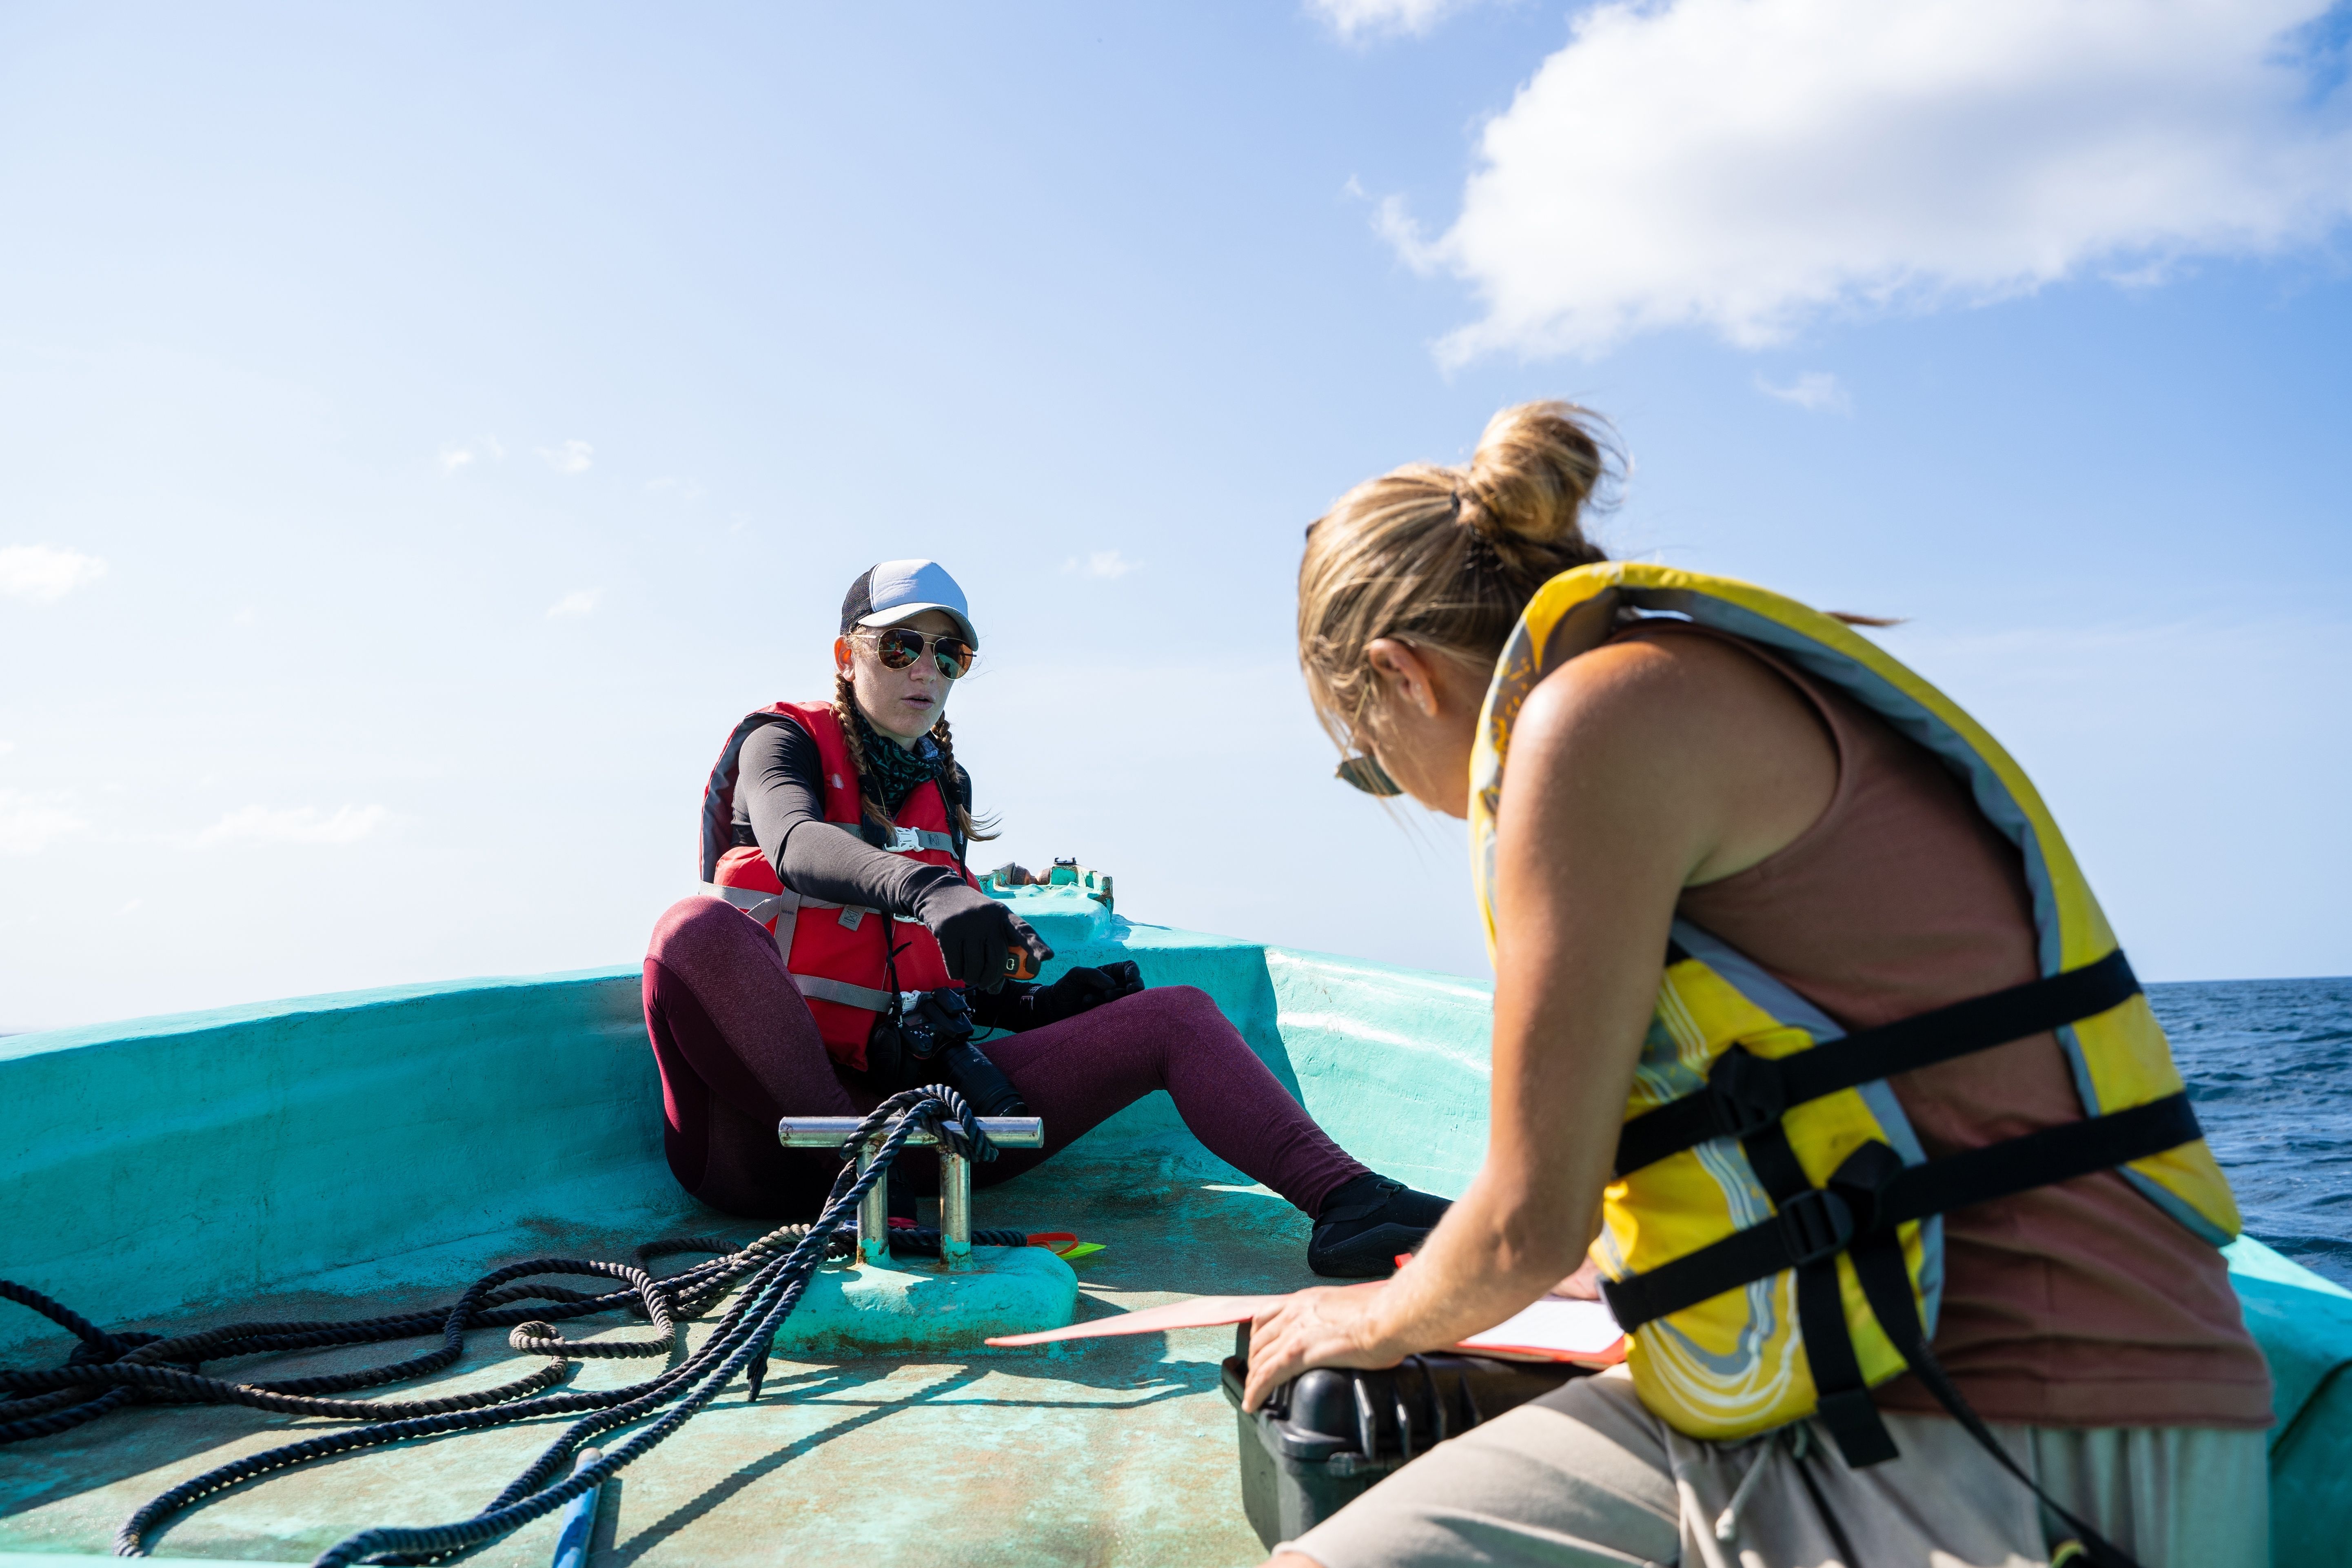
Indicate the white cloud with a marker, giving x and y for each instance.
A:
(1813, 391)
(464, 453)
(572, 457)
(1355, 19)
(44, 574)
(579, 603)
(1747, 165)
(1106, 563)
(29, 824)
(293, 825)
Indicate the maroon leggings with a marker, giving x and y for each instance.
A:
(737, 1050)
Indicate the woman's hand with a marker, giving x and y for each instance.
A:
(1328, 1326)
(974, 931)
(1584, 1285)
(1080, 991)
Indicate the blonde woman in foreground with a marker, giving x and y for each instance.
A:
(1808, 1028)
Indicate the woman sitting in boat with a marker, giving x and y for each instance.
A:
(871, 957)
(1806, 1022)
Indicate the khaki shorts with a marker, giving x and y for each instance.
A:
(1586, 1475)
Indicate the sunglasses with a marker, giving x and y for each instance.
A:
(1366, 775)
(899, 648)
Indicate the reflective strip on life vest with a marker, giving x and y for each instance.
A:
(909, 840)
(819, 988)
(761, 906)
(765, 907)
(901, 840)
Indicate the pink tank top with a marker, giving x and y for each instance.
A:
(2077, 1305)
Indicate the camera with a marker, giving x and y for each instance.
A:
(927, 1037)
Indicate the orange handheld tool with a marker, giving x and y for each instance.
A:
(1024, 958)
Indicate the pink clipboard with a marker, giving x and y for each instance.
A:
(1554, 1328)
(1200, 1313)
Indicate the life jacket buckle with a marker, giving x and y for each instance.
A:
(1816, 1223)
(1747, 1092)
(904, 840)
(1862, 1178)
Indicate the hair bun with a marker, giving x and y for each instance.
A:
(1537, 467)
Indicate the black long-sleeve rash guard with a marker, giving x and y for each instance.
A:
(780, 789)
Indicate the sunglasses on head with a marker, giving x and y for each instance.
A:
(898, 647)
(1368, 776)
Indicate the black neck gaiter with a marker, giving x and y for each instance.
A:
(892, 771)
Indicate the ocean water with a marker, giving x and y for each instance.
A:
(2269, 1065)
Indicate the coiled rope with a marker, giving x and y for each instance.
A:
(108, 1370)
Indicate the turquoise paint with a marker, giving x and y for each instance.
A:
(1061, 913)
(1394, 1062)
(2303, 1324)
(386, 1142)
(365, 1140)
(2311, 1518)
(168, 1163)
(860, 1309)
(2250, 1259)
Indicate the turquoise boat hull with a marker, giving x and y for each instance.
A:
(343, 1155)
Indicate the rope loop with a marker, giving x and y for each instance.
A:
(956, 1126)
(109, 1371)
(936, 1108)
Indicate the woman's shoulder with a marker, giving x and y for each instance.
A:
(782, 742)
(1657, 689)
(1681, 733)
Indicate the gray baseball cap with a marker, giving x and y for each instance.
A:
(898, 591)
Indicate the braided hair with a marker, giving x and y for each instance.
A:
(844, 709)
(975, 831)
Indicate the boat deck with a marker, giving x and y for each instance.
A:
(348, 1156)
(1104, 1452)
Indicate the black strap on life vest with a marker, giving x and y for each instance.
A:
(1857, 1214)
(1878, 1264)
(1745, 1093)
(1817, 1223)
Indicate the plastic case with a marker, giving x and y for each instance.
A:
(1325, 1436)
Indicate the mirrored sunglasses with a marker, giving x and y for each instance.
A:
(898, 647)
(1368, 776)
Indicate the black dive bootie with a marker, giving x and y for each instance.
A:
(1365, 1224)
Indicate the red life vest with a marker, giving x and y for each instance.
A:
(844, 958)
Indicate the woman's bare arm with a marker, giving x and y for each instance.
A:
(1633, 771)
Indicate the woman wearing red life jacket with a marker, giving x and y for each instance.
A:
(840, 951)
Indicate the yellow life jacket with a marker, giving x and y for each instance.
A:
(1771, 1197)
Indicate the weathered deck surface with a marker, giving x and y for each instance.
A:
(1110, 1452)
(384, 1149)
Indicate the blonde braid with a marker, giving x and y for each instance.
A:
(975, 832)
(844, 709)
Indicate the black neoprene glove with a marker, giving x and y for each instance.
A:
(974, 931)
(1075, 992)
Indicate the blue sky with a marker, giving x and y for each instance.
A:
(427, 432)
